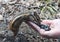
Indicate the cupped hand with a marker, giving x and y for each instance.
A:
(54, 25)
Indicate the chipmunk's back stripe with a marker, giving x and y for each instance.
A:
(18, 17)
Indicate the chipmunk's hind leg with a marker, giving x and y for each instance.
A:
(14, 27)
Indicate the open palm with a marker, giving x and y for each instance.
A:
(53, 24)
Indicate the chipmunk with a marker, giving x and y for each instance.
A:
(16, 22)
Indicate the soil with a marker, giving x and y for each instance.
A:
(26, 33)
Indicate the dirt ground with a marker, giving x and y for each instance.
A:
(26, 33)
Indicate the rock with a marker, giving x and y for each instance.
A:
(57, 16)
(4, 1)
(1, 17)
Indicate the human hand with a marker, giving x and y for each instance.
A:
(54, 26)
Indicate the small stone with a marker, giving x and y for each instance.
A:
(1, 17)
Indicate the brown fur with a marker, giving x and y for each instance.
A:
(15, 24)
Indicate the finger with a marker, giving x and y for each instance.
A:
(48, 22)
(42, 32)
(33, 25)
(45, 33)
(48, 34)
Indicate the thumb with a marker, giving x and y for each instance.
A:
(47, 22)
